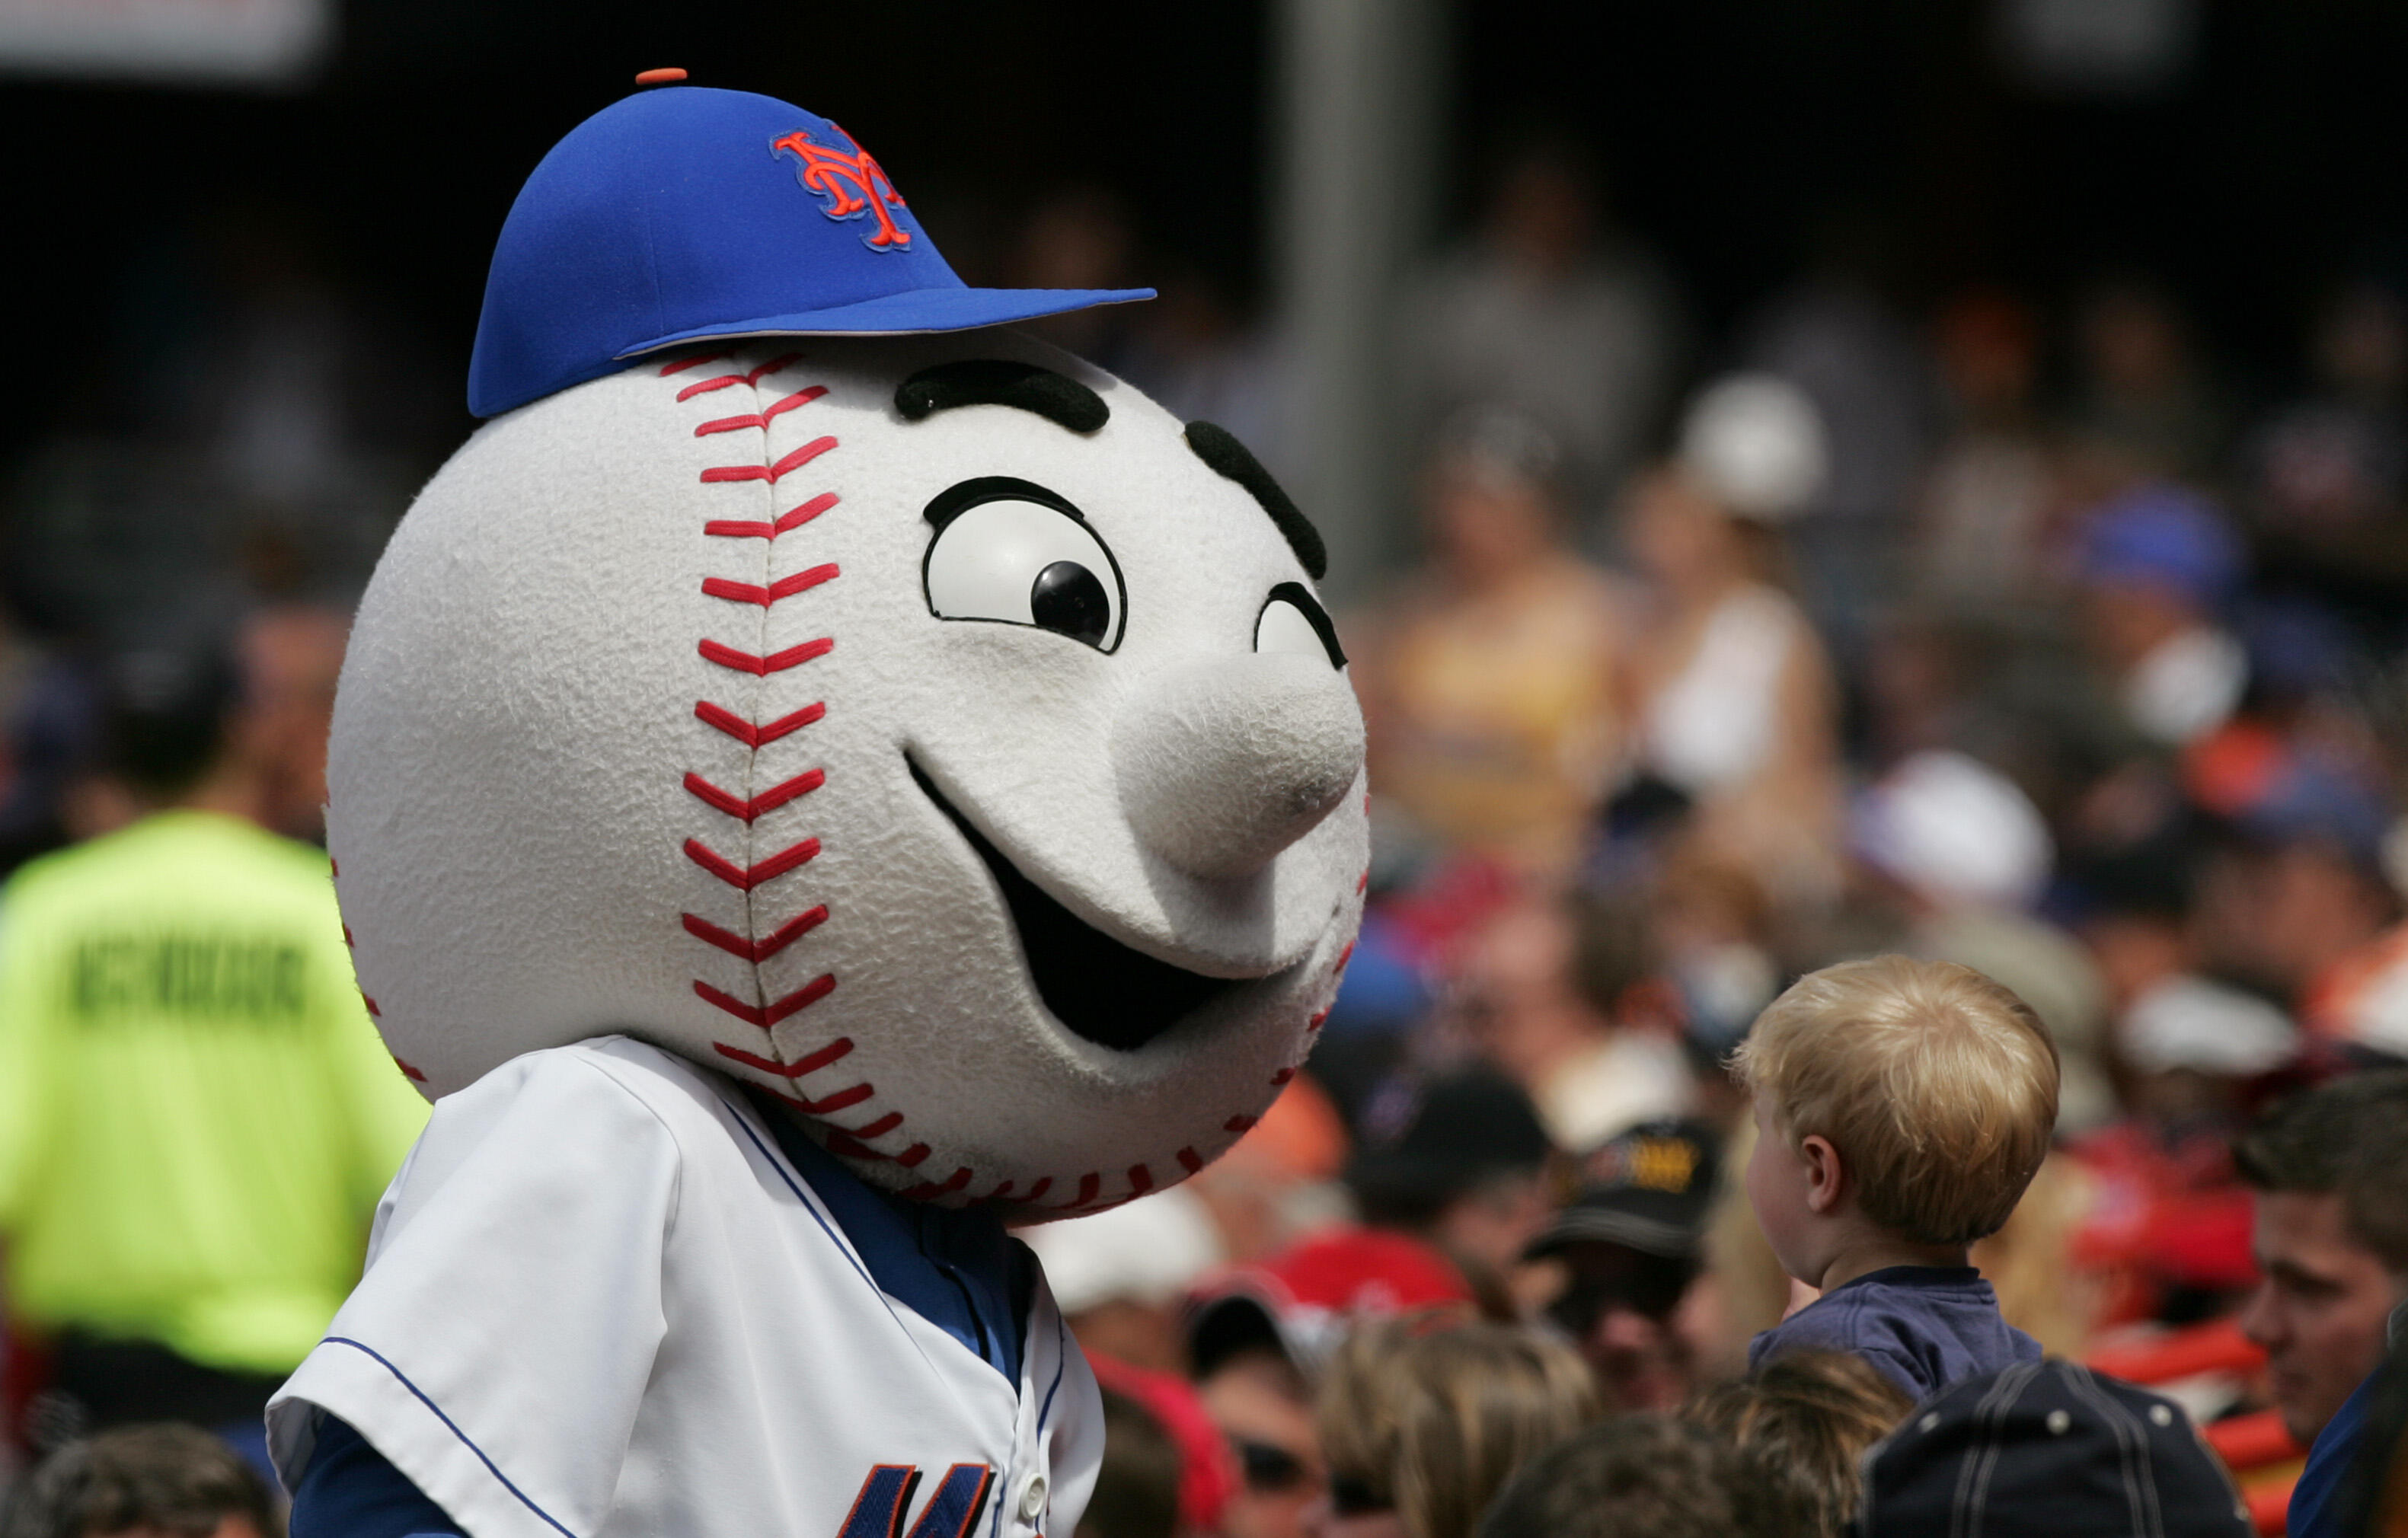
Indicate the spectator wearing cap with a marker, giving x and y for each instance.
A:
(1451, 1185)
(1262, 1403)
(1734, 693)
(1491, 681)
(1631, 1243)
(2049, 1449)
(2170, 1227)
(2158, 565)
(196, 1119)
(1465, 1173)
(2330, 1167)
(2295, 899)
(2172, 1218)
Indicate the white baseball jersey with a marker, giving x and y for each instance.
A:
(601, 1301)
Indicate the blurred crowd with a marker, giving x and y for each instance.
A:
(2003, 631)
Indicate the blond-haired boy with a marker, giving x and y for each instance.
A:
(1901, 1107)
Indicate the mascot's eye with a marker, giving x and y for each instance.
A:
(1293, 620)
(1012, 551)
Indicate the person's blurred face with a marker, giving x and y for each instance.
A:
(1522, 1011)
(1986, 355)
(2126, 620)
(2133, 342)
(1336, 1514)
(1542, 216)
(2280, 917)
(1486, 522)
(1677, 535)
(2186, 1097)
(1494, 1223)
(1623, 1309)
(2135, 953)
(1260, 1404)
(2319, 1308)
(2363, 344)
(290, 660)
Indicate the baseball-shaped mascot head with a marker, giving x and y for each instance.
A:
(922, 725)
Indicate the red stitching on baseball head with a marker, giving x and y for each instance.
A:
(768, 1014)
(764, 417)
(746, 877)
(755, 951)
(749, 735)
(767, 800)
(929, 1189)
(786, 464)
(753, 592)
(761, 667)
(723, 381)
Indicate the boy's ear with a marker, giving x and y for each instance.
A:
(1824, 1175)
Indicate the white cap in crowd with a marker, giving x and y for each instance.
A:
(1754, 443)
(1147, 1251)
(2190, 1022)
(1955, 830)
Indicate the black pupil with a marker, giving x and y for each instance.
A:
(1066, 597)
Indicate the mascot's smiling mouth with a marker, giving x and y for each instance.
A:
(1101, 989)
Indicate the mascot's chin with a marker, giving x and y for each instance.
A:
(817, 774)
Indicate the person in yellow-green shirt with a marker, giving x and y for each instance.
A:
(196, 1116)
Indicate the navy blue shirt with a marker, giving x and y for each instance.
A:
(1925, 1325)
(2311, 1514)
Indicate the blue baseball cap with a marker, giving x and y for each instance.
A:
(687, 213)
(2166, 538)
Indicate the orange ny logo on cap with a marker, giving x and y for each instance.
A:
(853, 183)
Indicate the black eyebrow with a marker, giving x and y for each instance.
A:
(998, 381)
(1226, 456)
(953, 501)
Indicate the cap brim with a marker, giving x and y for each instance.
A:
(915, 313)
(1647, 1235)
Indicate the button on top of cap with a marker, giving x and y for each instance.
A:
(659, 77)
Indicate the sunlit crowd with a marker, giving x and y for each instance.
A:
(1883, 1002)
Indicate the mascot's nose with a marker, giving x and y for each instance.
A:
(1224, 764)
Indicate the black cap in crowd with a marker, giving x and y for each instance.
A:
(1451, 1135)
(1648, 1189)
(2048, 1449)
